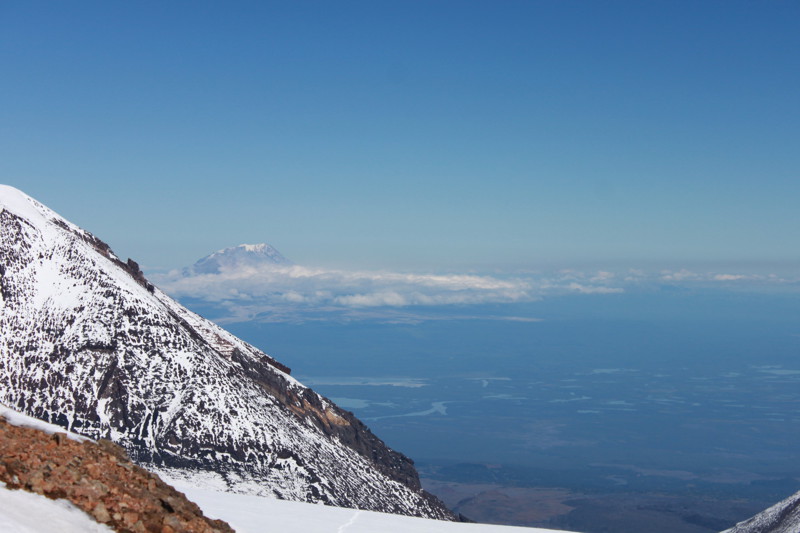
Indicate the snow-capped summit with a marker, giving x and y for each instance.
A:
(89, 344)
(238, 257)
(17, 202)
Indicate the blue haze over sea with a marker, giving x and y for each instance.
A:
(675, 390)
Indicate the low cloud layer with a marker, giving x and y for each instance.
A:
(286, 291)
(320, 287)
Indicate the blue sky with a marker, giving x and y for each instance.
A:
(435, 135)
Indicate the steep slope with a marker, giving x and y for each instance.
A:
(783, 517)
(88, 344)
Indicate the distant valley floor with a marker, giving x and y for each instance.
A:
(617, 512)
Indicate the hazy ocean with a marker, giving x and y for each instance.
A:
(673, 392)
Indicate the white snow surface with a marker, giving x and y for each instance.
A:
(15, 418)
(22, 205)
(26, 512)
(255, 514)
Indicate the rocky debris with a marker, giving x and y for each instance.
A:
(99, 478)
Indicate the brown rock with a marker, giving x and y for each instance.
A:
(100, 513)
(35, 483)
(130, 518)
(173, 522)
(100, 479)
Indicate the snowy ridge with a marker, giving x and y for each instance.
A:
(24, 206)
(25, 421)
(783, 517)
(91, 346)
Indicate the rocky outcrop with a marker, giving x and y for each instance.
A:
(99, 478)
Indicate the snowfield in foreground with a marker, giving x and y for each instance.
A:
(255, 514)
(26, 512)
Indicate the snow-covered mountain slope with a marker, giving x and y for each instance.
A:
(237, 258)
(89, 344)
(783, 517)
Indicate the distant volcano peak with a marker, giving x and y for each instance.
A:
(241, 256)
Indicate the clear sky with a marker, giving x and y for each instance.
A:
(410, 134)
